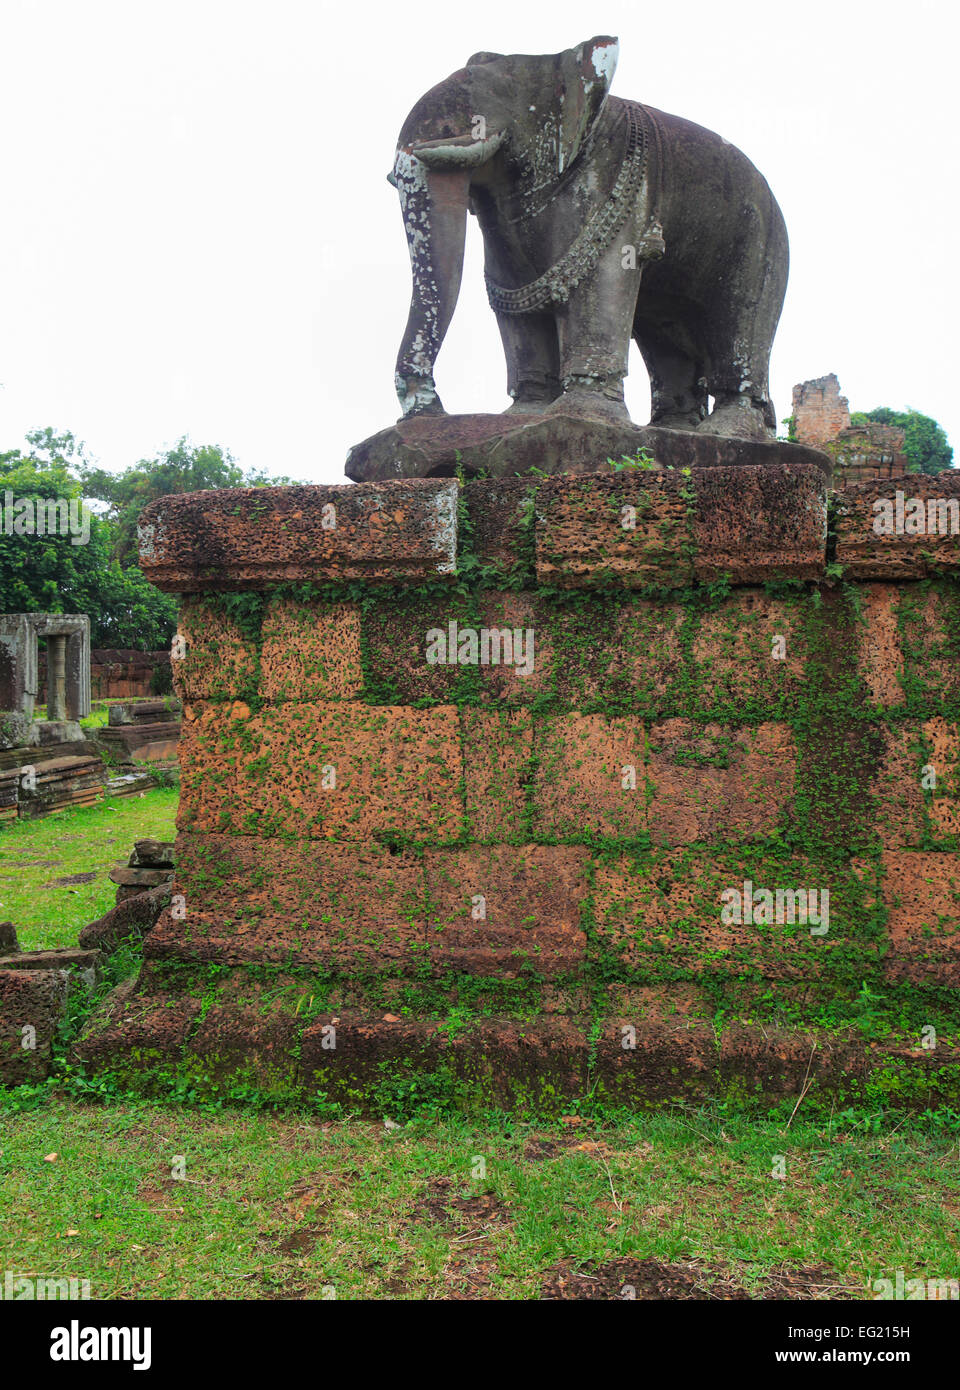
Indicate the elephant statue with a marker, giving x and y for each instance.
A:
(603, 220)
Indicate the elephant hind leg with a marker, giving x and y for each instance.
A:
(533, 360)
(678, 391)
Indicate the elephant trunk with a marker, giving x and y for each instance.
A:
(434, 205)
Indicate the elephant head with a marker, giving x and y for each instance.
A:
(501, 121)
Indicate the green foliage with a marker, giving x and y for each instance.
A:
(161, 680)
(925, 442)
(51, 574)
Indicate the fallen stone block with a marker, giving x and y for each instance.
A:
(31, 1003)
(131, 919)
(76, 965)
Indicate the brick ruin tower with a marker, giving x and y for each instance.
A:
(821, 419)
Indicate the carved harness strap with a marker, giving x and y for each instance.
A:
(554, 286)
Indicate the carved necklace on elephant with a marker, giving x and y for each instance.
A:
(555, 284)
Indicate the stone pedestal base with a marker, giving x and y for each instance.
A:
(501, 446)
(473, 772)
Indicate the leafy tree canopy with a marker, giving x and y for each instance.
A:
(100, 576)
(925, 442)
(51, 574)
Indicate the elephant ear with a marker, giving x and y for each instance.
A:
(585, 74)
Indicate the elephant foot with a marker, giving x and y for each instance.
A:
(532, 401)
(418, 396)
(679, 420)
(737, 417)
(592, 398)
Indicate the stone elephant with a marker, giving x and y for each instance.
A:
(603, 220)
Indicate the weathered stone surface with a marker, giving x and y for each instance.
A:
(346, 1052)
(865, 554)
(244, 538)
(31, 1002)
(930, 620)
(9, 944)
(337, 770)
(521, 667)
(922, 894)
(751, 651)
(760, 522)
(399, 635)
(711, 782)
(625, 652)
(590, 777)
(655, 1044)
(62, 782)
(501, 446)
(639, 528)
(664, 911)
(879, 654)
(253, 1041)
(525, 1064)
(131, 919)
(83, 962)
(140, 1034)
(501, 521)
(504, 909)
(768, 1061)
(896, 786)
(153, 854)
(633, 528)
(304, 902)
(219, 661)
(917, 783)
(310, 651)
(942, 742)
(497, 748)
(139, 878)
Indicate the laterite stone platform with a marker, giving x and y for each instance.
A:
(402, 875)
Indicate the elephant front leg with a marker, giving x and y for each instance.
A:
(533, 361)
(594, 328)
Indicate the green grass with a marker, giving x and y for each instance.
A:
(284, 1206)
(98, 718)
(91, 839)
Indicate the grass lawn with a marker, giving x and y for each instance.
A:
(677, 1204)
(37, 856)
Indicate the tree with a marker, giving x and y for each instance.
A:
(925, 442)
(182, 468)
(64, 571)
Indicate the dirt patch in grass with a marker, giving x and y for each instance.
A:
(162, 1197)
(538, 1148)
(297, 1242)
(440, 1205)
(624, 1280)
(69, 880)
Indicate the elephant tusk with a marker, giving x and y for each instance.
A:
(461, 152)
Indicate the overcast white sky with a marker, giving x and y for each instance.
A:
(198, 236)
